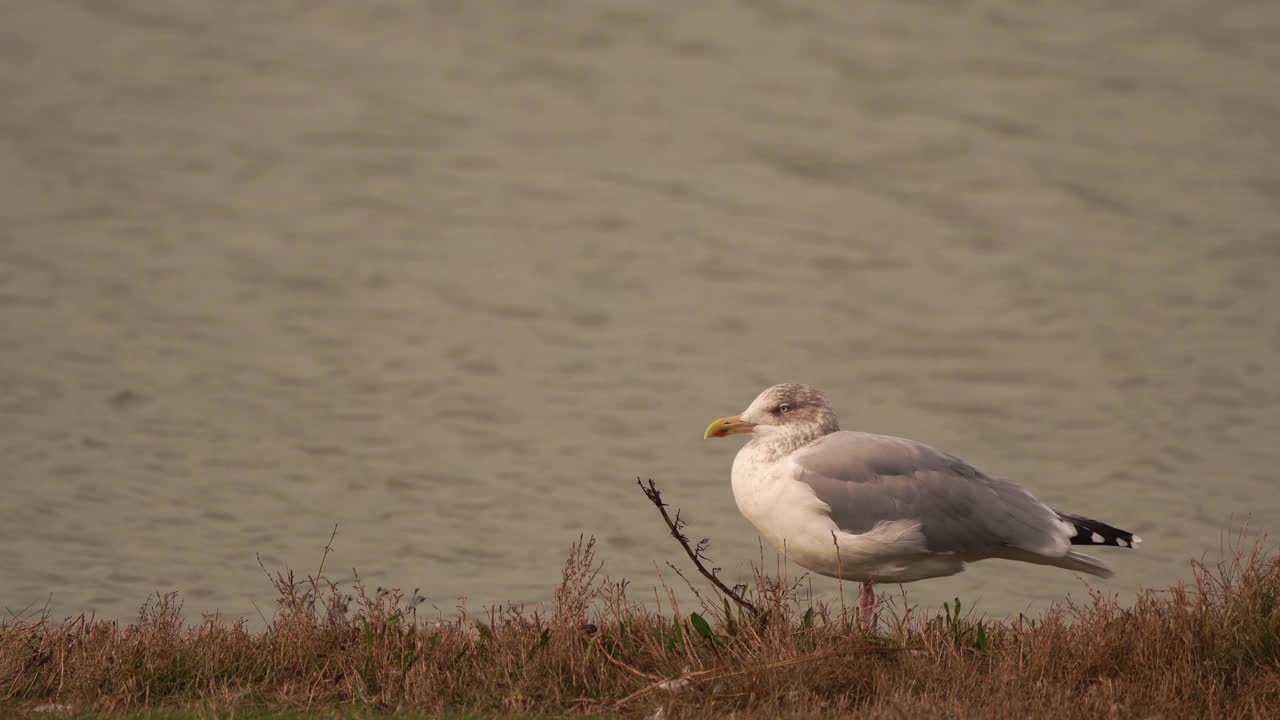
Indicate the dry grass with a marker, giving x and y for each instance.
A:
(1207, 649)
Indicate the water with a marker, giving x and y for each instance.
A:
(452, 276)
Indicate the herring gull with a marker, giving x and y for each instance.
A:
(876, 508)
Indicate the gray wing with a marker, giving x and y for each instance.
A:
(867, 479)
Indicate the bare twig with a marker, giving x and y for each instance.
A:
(319, 576)
(695, 553)
(718, 673)
(675, 682)
(638, 673)
(691, 587)
(328, 548)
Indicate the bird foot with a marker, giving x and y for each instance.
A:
(868, 604)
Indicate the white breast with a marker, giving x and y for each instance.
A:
(786, 512)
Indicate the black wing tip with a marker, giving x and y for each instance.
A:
(1093, 532)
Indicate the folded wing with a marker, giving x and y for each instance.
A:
(867, 479)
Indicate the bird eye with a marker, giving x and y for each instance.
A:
(784, 408)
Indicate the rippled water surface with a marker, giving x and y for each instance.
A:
(453, 275)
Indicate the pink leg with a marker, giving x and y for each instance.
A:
(868, 603)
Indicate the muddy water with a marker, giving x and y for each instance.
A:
(451, 277)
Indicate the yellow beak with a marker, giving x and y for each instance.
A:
(725, 426)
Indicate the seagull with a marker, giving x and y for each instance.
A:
(877, 508)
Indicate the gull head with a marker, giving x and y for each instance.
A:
(790, 410)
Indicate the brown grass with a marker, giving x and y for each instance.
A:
(1207, 649)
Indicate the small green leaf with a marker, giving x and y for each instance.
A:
(807, 621)
(982, 643)
(485, 632)
(676, 638)
(701, 625)
(435, 641)
(543, 641)
(731, 626)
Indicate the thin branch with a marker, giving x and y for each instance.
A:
(328, 547)
(638, 673)
(695, 554)
(319, 576)
(691, 587)
(674, 683)
(717, 673)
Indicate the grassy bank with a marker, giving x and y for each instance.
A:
(1208, 648)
